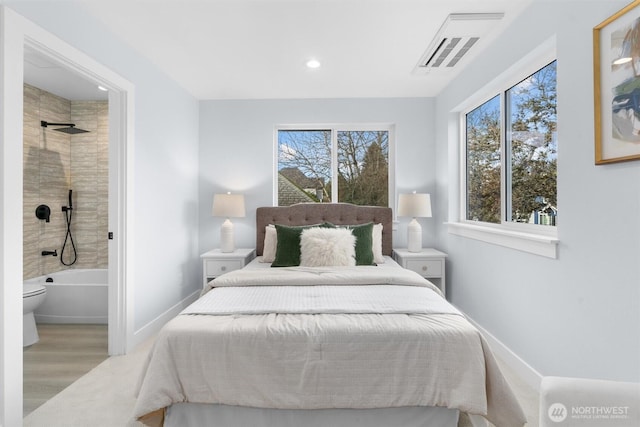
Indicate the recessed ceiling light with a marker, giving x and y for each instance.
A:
(103, 88)
(313, 63)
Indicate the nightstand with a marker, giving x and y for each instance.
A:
(216, 263)
(429, 263)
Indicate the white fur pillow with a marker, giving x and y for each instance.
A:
(327, 247)
(270, 244)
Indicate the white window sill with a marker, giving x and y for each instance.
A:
(537, 244)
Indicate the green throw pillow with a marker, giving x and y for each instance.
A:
(288, 247)
(364, 241)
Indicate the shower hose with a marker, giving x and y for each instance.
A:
(68, 238)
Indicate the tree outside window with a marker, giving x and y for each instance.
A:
(484, 162)
(524, 148)
(311, 162)
(531, 140)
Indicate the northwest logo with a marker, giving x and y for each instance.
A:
(557, 412)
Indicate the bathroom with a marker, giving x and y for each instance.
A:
(54, 163)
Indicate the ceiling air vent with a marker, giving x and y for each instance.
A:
(459, 33)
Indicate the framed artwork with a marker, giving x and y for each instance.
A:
(616, 58)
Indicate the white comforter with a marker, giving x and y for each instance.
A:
(342, 290)
(313, 276)
(372, 299)
(340, 360)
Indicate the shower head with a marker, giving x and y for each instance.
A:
(70, 128)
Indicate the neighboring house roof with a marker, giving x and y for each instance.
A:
(300, 179)
(289, 193)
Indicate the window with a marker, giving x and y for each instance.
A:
(532, 149)
(326, 164)
(508, 159)
(484, 162)
(511, 154)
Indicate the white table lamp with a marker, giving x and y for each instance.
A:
(415, 205)
(228, 206)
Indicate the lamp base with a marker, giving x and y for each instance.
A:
(227, 241)
(414, 236)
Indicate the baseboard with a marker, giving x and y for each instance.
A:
(521, 368)
(93, 320)
(152, 328)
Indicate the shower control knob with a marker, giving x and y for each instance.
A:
(43, 212)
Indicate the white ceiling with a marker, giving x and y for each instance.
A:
(257, 49)
(47, 74)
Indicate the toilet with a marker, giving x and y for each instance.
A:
(32, 296)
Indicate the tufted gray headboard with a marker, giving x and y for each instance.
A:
(316, 213)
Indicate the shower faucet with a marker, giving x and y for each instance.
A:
(53, 253)
(43, 212)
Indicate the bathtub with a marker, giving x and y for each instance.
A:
(74, 296)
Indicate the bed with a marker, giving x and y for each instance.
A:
(314, 343)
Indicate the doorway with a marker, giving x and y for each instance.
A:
(17, 34)
(117, 336)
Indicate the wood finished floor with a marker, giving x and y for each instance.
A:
(63, 354)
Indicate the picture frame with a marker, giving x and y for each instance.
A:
(616, 61)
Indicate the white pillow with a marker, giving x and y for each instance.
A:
(327, 247)
(270, 243)
(378, 258)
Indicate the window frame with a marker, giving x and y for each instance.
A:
(532, 238)
(335, 128)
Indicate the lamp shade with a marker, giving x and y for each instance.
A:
(228, 205)
(415, 205)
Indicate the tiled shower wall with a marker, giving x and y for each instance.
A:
(54, 163)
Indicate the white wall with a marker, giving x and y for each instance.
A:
(237, 151)
(165, 171)
(578, 315)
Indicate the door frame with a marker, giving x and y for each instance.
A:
(16, 32)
